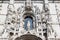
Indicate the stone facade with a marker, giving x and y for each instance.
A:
(43, 15)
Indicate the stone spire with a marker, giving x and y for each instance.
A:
(45, 2)
(28, 5)
(28, 2)
(11, 1)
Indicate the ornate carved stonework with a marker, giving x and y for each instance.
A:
(29, 20)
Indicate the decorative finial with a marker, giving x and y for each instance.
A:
(28, 5)
(11, 1)
(28, 2)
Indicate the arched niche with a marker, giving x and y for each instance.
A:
(30, 16)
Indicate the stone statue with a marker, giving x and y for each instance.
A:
(28, 25)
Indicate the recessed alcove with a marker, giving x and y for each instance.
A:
(28, 19)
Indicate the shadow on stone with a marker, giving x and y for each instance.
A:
(28, 37)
